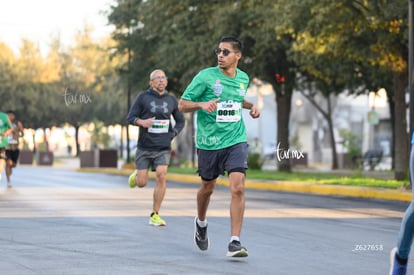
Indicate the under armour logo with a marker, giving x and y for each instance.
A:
(154, 107)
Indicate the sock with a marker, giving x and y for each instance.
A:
(401, 260)
(202, 223)
(235, 238)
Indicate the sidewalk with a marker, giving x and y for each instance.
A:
(282, 186)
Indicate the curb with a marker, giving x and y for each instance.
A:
(283, 186)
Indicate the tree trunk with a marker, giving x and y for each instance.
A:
(45, 139)
(77, 126)
(391, 104)
(122, 145)
(328, 116)
(332, 135)
(401, 137)
(283, 103)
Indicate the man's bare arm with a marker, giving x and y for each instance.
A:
(185, 106)
(20, 128)
(7, 132)
(254, 111)
(191, 106)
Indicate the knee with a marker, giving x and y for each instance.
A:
(141, 182)
(237, 190)
(207, 191)
(207, 188)
(161, 177)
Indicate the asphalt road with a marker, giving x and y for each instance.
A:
(58, 221)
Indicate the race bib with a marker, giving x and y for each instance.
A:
(11, 139)
(228, 111)
(159, 126)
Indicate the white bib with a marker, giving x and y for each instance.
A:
(228, 111)
(159, 126)
(12, 140)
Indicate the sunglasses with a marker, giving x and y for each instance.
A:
(225, 52)
(159, 78)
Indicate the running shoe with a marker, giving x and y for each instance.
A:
(200, 236)
(236, 250)
(9, 185)
(131, 180)
(156, 220)
(396, 268)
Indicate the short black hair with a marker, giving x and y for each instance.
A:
(11, 112)
(236, 43)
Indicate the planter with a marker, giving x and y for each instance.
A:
(347, 162)
(302, 161)
(45, 158)
(26, 157)
(108, 158)
(99, 158)
(87, 159)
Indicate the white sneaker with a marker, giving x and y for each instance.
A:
(9, 185)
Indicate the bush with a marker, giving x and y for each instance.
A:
(351, 143)
(254, 160)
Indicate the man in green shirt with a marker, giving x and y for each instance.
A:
(6, 129)
(217, 94)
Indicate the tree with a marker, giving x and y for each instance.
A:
(70, 85)
(371, 35)
(7, 74)
(89, 83)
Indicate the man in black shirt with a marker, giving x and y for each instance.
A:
(152, 111)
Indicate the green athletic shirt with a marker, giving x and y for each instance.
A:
(225, 126)
(5, 124)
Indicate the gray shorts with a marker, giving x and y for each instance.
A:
(147, 159)
(212, 163)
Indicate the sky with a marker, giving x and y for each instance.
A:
(40, 20)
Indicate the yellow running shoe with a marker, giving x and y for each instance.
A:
(237, 250)
(156, 220)
(131, 180)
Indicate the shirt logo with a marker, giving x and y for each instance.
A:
(163, 107)
(218, 88)
(242, 90)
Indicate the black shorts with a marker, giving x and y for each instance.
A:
(13, 155)
(212, 163)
